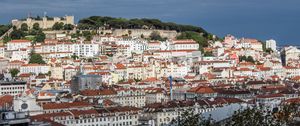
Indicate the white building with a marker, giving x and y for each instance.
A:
(2, 51)
(18, 44)
(135, 45)
(27, 103)
(291, 53)
(271, 44)
(86, 50)
(130, 97)
(115, 116)
(184, 45)
(155, 95)
(12, 88)
(57, 47)
(20, 54)
(34, 68)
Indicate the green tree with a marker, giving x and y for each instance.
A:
(17, 34)
(68, 27)
(58, 26)
(200, 39)
(191, 118)
(49, 73)
(74, 56)
(36, 26)
(36, 58)
(286, 114)
(24, 27)
(87, 35)
(14, 72)
(137, 79)
(6, 39)
(208, 53)
(247, 59)
(94, 22)
(129, 32)
(4, 29)
(251, 117)
(250, 59)
(40, 36)
(257, 116)
(269, 50)
(155, 35)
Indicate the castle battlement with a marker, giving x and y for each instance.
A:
(44, 22)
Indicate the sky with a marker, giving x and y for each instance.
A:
(260, 19)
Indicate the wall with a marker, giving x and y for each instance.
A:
(139, 32)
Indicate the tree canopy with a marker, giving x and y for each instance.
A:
(17, 34)
(36, 31)
(36, 26)
(94, 22)
(36, 58)
(4, 28)
(199, 38)
(247, 59)
(155, 35)
(68, 27)
(258, 116)
(58, 26)
(24, 27)
(14, 72)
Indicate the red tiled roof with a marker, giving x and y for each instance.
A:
(120, 66)
(19, 41)
(269, 96)
(98, 92)
(66, 105)
(201, 90)
(6, 101)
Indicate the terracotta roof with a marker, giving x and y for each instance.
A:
(292, 100)
(120, 66)
(151, 79)
(25, 75)
(66, 105)
(19, 41)
(89, 92)
(201, 90)
(6, 101)
(269, 96)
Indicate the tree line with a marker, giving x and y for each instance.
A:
(95, 22)
(250, 116)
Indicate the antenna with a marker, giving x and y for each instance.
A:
(45, 13)
(171, 88)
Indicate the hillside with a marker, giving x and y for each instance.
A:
(187, 31)
(4, 28)
(94, 22)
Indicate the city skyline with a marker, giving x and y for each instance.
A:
(149, 63)
(252, 19)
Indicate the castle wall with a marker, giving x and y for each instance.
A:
(44, 23)
(138, 32)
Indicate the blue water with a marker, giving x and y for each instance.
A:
(261, 19)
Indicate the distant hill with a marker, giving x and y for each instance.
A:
(188, 31)
(94, 22)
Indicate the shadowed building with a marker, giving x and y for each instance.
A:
(81, 82)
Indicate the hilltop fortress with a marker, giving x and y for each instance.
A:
(138, 32)
(44, 22)
(48, 22)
